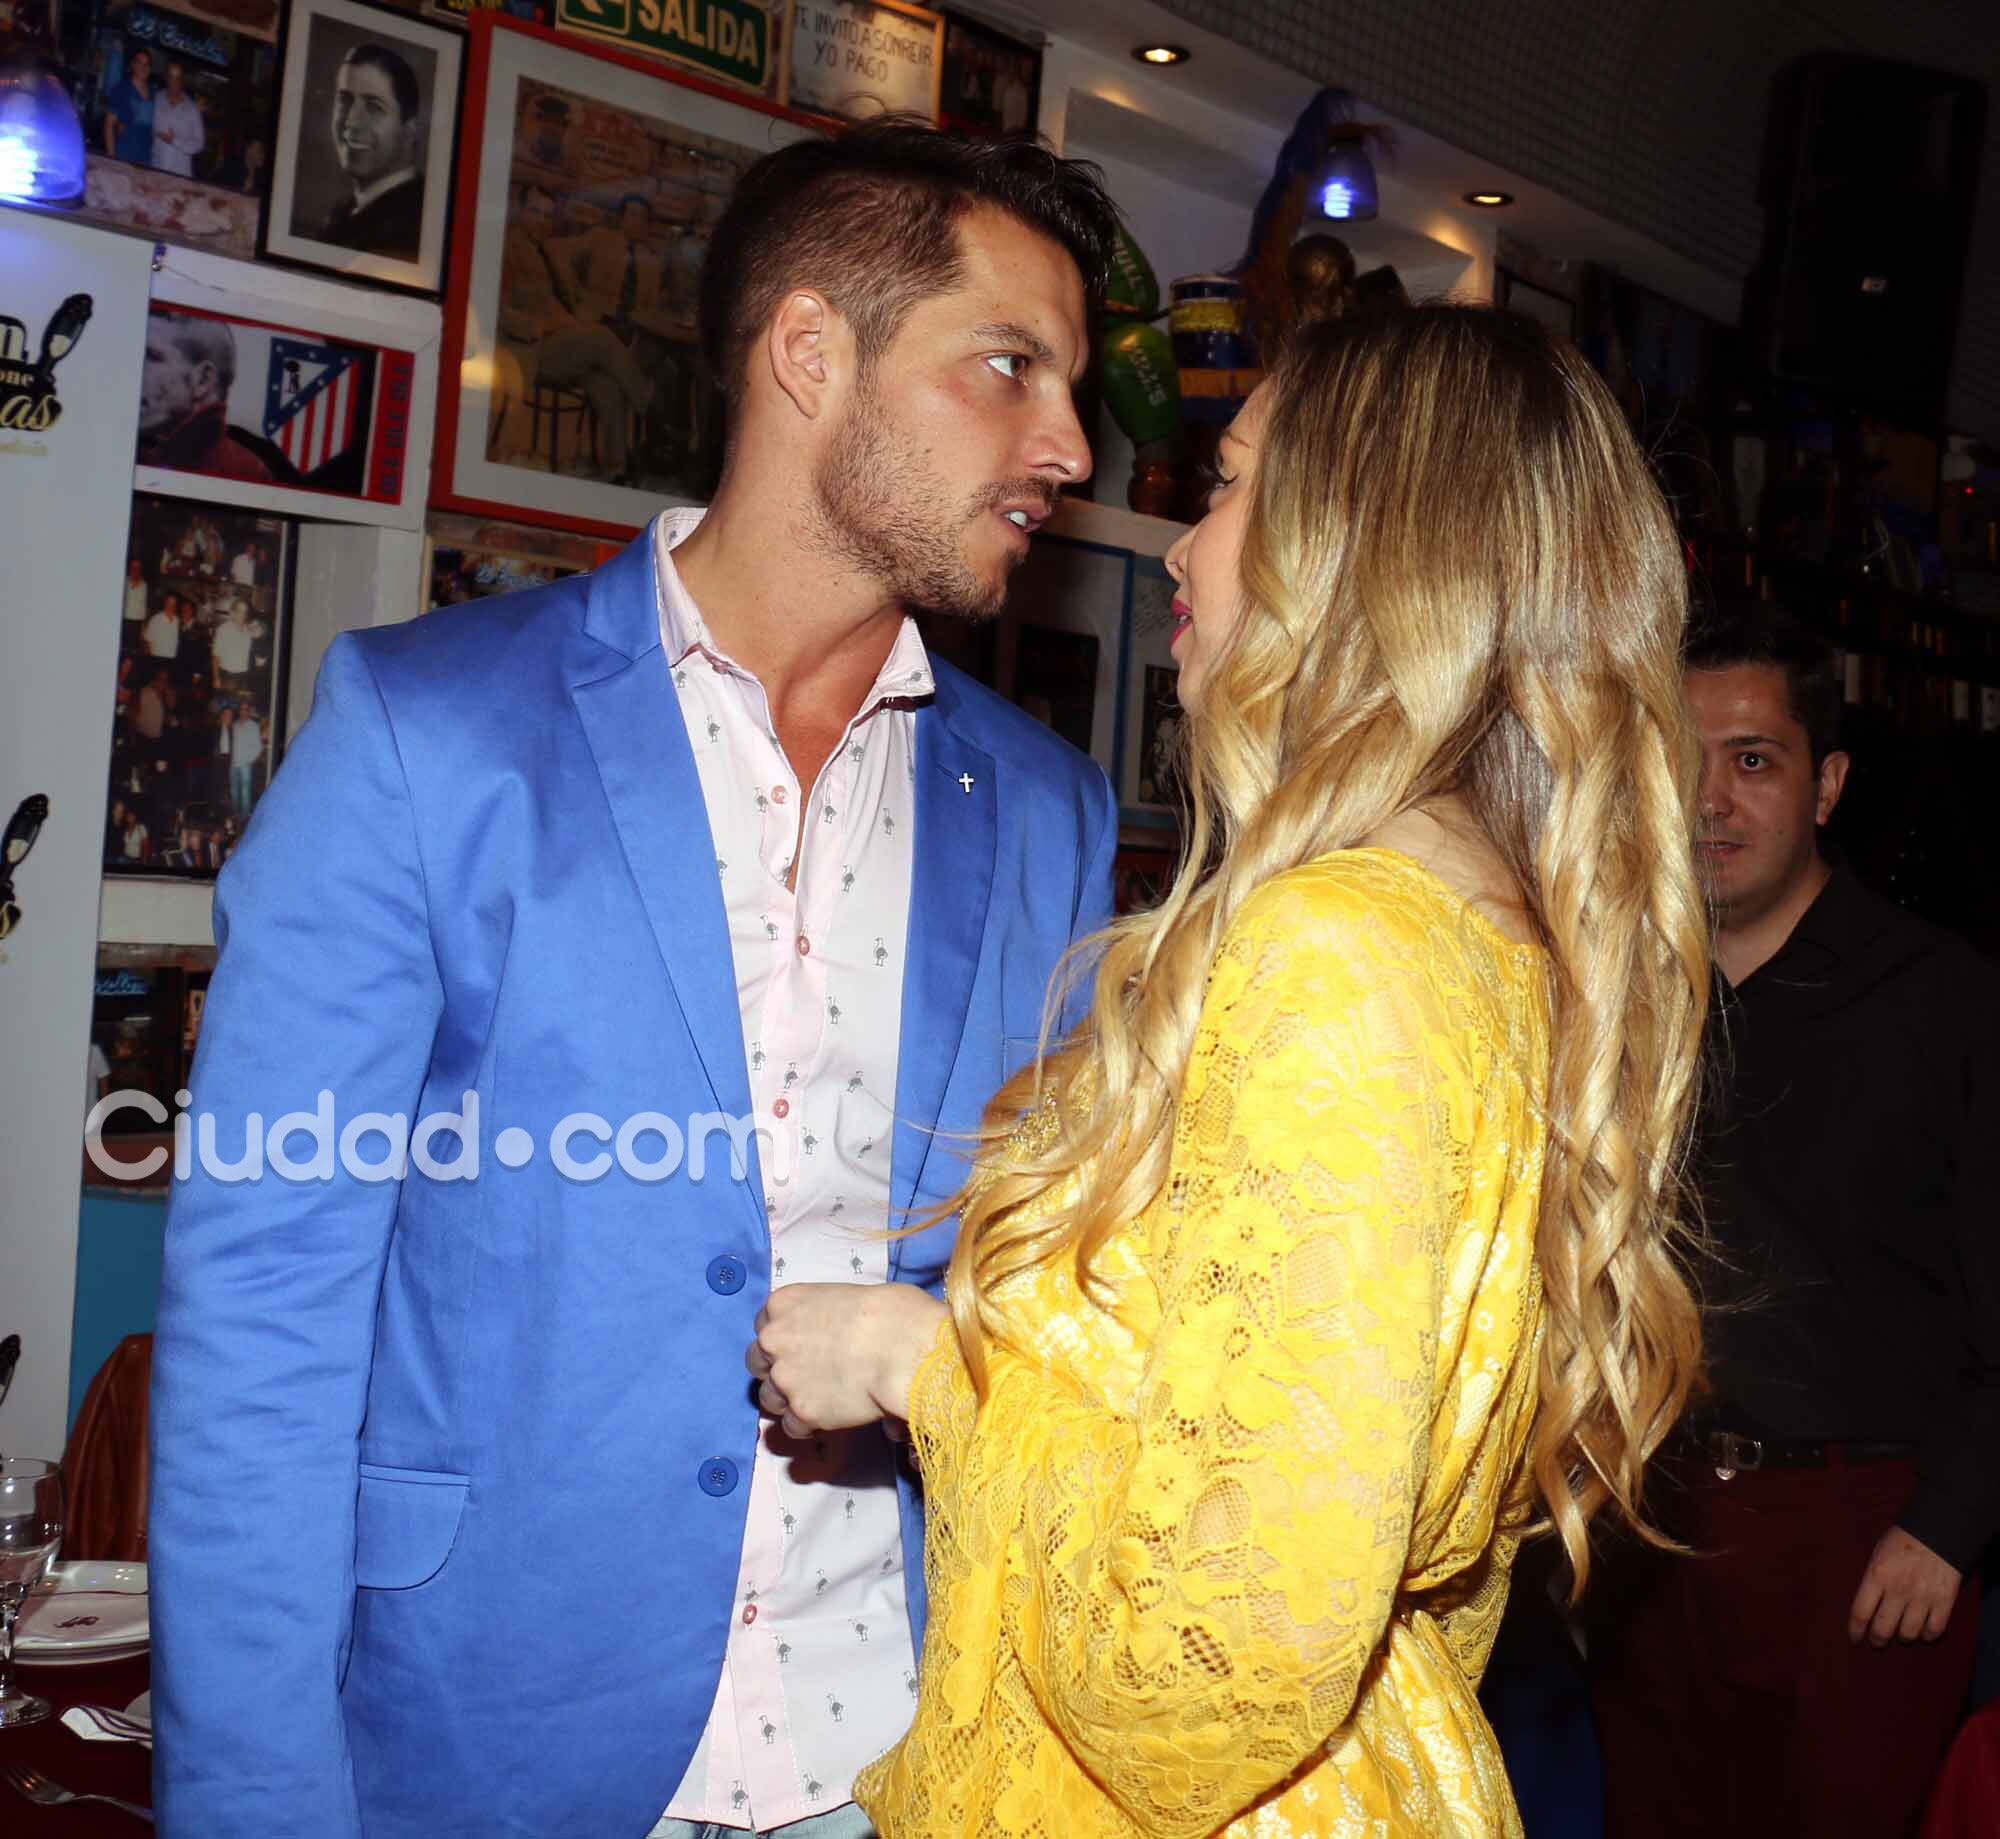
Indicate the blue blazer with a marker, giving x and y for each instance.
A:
(449, 1472)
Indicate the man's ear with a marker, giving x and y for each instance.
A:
(804, 348)
(1832, 781)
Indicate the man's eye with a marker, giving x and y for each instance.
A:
(1754, 761)
(1001, 359)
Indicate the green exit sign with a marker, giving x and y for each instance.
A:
(720, 38)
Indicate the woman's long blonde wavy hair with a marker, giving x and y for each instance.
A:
(1459, 578)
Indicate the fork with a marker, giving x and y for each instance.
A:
(45, 1793)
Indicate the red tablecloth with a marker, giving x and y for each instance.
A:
(123, 1769)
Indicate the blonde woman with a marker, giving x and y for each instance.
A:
(1343, 1232)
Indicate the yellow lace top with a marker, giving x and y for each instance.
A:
(1229, 1555)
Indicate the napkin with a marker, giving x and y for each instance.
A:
(97, 1726)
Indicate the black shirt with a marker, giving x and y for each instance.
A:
(1849, 1159)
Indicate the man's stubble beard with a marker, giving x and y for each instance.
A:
(877, 511)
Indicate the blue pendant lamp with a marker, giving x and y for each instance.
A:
(41, 139)
(1344, 187)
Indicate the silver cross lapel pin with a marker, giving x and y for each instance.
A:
(965, 783)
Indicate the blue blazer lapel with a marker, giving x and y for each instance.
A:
(629, 714)
(950, 887)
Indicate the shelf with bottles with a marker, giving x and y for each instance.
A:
(1919, 664)
(1806, 483)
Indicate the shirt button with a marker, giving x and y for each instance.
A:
(718, 1476)
(805, 946)
(749, 1614)
(726, 1275)
(779, 794)
(781, 1107)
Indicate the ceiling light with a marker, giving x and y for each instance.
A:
(1489, 201)
(1162, 54)
(1344, 186)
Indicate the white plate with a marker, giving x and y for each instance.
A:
(88, 1610)
(82, 1656)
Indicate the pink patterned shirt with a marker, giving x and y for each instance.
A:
(820, 1676)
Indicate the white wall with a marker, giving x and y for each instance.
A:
(66, 492)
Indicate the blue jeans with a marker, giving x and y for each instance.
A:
(847, 1822)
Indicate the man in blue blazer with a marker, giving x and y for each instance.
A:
(463, 1514)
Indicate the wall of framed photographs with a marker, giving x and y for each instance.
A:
(424, 334)
(423, 331)
(308, 173)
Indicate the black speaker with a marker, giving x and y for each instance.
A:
(1870, 173)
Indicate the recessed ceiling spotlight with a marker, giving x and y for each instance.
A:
(1162, 54)
(1489, 201)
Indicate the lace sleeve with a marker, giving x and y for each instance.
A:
(1194, 1592)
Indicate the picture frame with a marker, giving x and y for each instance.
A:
(1061, 641)
(251, 18)
(211, 218)
(456, 13)
(199, 719)
(177, 102)
(326, 407)
(991, 83)
(587, 185)
(1143, 869)
(1541, 304)
(472, 558)
(846, 60)
(145, 1022)
(367, 117)
(1147, 789)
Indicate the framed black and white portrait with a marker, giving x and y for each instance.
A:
(362, 173)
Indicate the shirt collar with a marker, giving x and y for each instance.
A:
(1843, 917)
(905, 675)
(403, 175)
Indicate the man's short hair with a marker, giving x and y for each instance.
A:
(203, 341)
(1760, 633)
(402, 79)
(869, 218)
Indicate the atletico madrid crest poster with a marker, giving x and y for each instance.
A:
(283, 393)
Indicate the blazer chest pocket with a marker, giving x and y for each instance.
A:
(1016, 1051)
(405, 1522)
(1024, 984)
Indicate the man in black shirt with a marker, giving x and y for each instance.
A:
(1804, 1672)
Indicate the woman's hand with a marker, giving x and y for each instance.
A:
(829, 1356)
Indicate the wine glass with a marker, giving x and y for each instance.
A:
(30, 1536)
